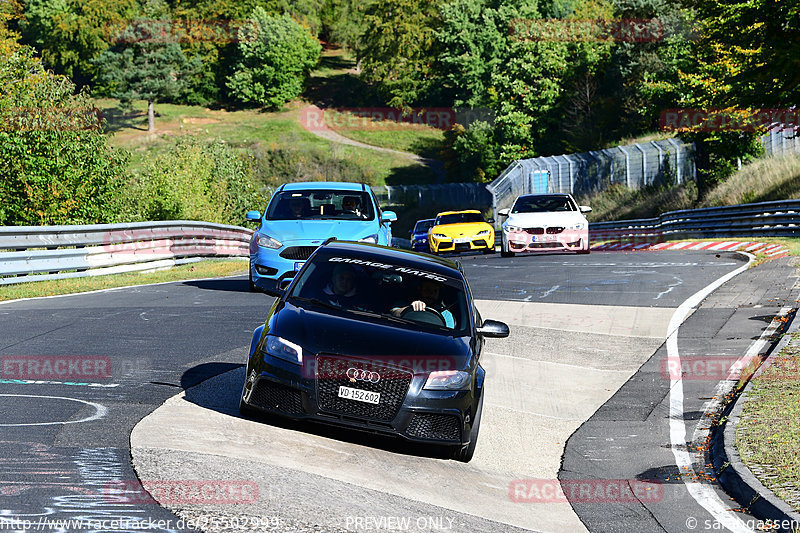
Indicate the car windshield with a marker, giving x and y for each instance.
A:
(459, 218)
(543, 204)
(384, 292)
(321, 204)
(423, 225)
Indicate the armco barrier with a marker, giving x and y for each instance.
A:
(37, 253)
(763, 219)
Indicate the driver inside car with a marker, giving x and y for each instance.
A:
(428, 296)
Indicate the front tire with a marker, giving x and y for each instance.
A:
(464, 453)
(586, 251)
(253, 287)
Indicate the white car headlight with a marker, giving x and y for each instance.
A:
(512, 228)
(440, 235)
(283, 349)
(448, 380)
(265, 241)
(372, 239)
(484, 232)
(579, 225)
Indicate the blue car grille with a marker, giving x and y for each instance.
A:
(298, 253)
(331, 374)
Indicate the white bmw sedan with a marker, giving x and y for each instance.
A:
(545, 223)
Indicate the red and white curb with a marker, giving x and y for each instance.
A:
(771, 250)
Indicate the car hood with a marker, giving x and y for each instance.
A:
(323, 332)
(308, 230)
(528, 220)
(465, 228)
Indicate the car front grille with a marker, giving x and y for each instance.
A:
(554, 230)
(276, 397)
(535, 231)
(545, 245)
(331, 374)
(432, 426)
(298, 253)
(462, 247)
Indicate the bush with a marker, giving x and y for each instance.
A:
(277, 55)
(193, 180)
(56, 166)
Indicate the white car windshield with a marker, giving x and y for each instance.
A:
(543, 204)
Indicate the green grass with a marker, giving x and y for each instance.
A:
(199, 270)
(768, 436)
(248, 130)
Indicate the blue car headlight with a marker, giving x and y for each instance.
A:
(448, 380)
(372, 239)
(265, 241)
(283, 349)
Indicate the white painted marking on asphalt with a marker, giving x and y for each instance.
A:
(100, 411)
(704, 495)
(551, 290)
(141, 315)
(721, 245)
(534, 413)
(670, 289)
(559, 364)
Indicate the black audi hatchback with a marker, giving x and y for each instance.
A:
(376, 339)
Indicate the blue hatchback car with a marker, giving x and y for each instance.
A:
(419, 235)
(301, 216)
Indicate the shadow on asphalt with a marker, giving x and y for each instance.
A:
(229, 285)
(222, 394)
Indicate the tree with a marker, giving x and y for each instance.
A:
(399, 47)
(147, 64)
(71, 33)
(56, 166)
(10, 12)
(276, 57)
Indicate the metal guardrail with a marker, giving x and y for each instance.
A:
(38, 253)
(764, 219)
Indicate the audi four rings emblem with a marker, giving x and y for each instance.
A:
(358, 374)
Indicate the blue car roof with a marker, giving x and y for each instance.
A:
(330, 185)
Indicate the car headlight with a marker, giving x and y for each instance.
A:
(512, 228)
(448, 380)
(440, 235)
(484, 232)
(283, 349)
(579, 225)
(265, 241)
(372, 239)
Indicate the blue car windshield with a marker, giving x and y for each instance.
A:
(385, 292)
(423, 226)
(316, 204)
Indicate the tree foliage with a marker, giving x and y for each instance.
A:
(56, 166)
(276, 56)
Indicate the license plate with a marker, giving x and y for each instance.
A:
(359, 395)
(462, 239)
(299, 265)
(543, 238)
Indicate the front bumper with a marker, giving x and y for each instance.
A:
(269, 267)
(439, 244)
(432, 417)
(567, 240)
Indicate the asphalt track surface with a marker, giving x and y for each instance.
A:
(65, 442)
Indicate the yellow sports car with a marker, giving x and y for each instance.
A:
(461, 231)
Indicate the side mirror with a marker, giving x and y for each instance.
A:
(494, 329)
(388, 216)
(504, 212)
(585, 209)
(255, 216)
(411, 232)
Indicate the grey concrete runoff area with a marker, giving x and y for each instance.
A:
(566, 394)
